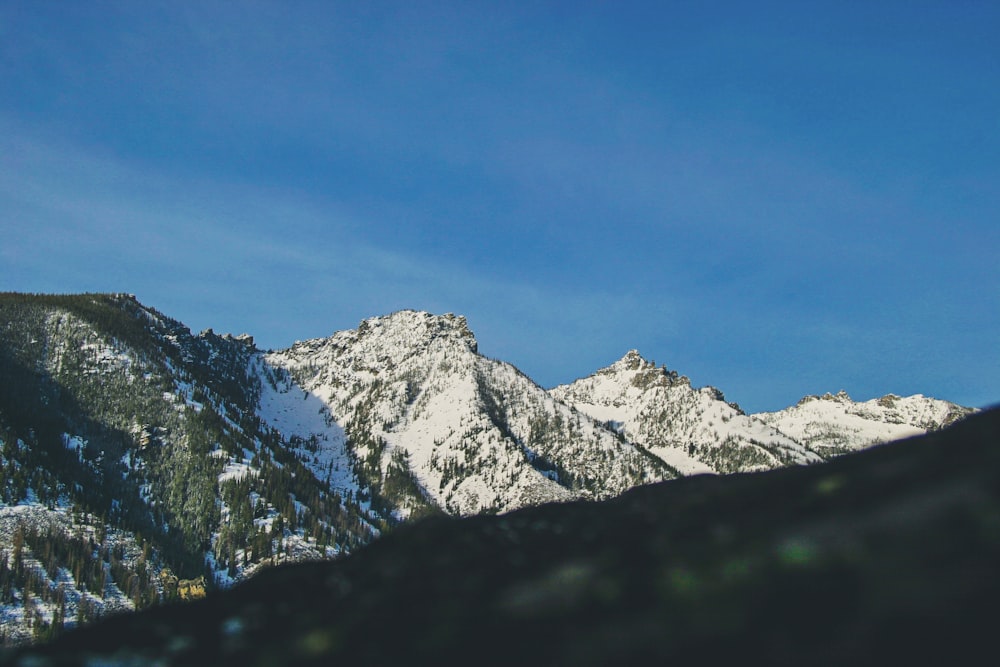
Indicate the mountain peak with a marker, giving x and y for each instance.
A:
(632, 361)
(408, 328)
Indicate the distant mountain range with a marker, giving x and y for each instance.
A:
(696, 430)
(134, 452)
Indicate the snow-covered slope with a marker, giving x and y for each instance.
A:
(694, 430)
(431, 422)
(305, 421)
(834, 424)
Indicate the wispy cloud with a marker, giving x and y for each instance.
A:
(268, 262)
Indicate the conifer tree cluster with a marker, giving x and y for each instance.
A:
(124, 415)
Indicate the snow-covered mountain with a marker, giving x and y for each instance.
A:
(430, 421)
(134, 453)
(834, 424)
(694, 430)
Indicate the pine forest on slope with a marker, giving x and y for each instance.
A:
(135, 454)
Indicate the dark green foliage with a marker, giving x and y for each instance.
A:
(401, 489)
(729, 456)
(397, 488)
(80, 556)
(91, 564)
(159, 410)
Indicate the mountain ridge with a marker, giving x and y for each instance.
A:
(222, 459)
(392, 379)
(638, 398)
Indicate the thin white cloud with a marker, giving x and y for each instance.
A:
(269, 262)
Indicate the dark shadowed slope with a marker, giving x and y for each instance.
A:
(882, 557)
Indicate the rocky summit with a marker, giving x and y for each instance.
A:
(887, 556)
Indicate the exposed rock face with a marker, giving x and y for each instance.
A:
(887, 556)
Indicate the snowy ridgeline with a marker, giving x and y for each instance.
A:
(696, 430)
(468, 434)
(410, 392)
(834, 424)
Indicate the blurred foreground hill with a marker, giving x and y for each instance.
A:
(888, 556)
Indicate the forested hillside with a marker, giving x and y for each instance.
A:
(117, 417)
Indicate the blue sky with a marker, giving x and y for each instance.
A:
(773, 198)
